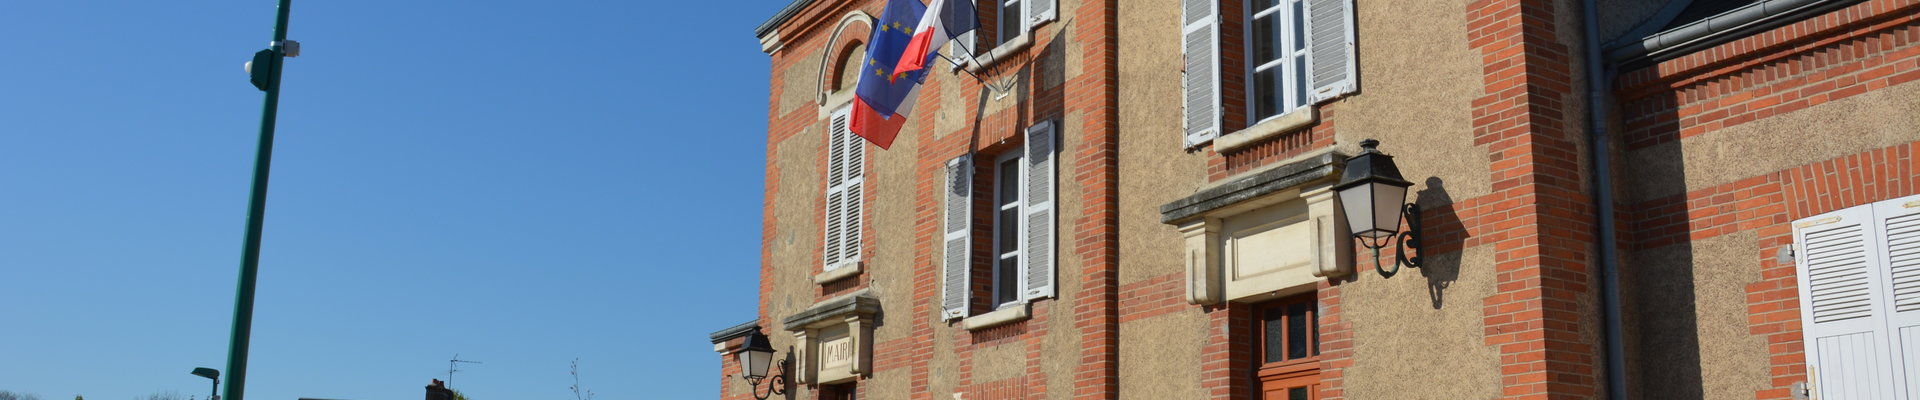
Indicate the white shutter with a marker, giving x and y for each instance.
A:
(1201, 44)
(1041, 233)
(1897, 223)
(856, 150)
(956, 268)
(1330, 56)
(1842, 305)
(1039, 11)
(965, 46)
(832, 246)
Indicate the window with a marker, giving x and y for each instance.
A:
(1277, 81)
(1287, 348)
(844, 391)
(1011, 21)
(1859, 301)
(1006, 229)
(1003, 22)
(1291, 54)
(846, 174)
(1017, 190)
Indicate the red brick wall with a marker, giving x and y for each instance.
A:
(1096, 236)
(1541, 233)
(1859, 49)
(1088, 236)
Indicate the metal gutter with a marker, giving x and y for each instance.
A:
(781, 17)
(1718, 29)
(735, 331)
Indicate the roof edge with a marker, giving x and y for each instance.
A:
(1718, 29)
(781, 17)
(734, 331)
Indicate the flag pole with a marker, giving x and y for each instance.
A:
(970, 54)
(962, 68)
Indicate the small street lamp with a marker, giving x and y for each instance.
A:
(755, 358)
(1373, 195)
(213, 374)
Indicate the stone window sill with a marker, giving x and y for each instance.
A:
(1008, 315)
(1268, 129)
(843, 270)
(998, 54)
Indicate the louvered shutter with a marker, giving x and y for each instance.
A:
(856, 161)
(965, 46)
(1201, 79)
(957, 264)
(1842, 305)
(1039, 238)
(1898, 225)
(846, 156)
(1039, 11)
(836, 191)
(1330, 56)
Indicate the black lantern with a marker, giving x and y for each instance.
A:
(756, 357)
(1374, 196)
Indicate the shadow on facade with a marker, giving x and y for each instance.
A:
(1440, 259)
(1660, 319)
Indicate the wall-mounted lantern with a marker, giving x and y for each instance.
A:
(756, 357)
(1374, 196)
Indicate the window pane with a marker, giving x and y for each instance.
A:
(1009, 280)
(1299, 84)
(1008, 238)
(1266, 93)
(1009, 182)
(1299, 22)
(1009, 20)
(1297, 331)
(1270, 332)
(1263, 4)
(1298, 393)
(1266, 38)
(1314, 321)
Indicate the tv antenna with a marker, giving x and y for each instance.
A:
(452, 367)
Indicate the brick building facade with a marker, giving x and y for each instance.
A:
(1141, 205)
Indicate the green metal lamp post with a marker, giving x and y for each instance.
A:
(264, 71)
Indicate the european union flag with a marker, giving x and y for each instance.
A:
(882, 88)
(883, 95)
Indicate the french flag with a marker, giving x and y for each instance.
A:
(905, 38)
(944, 20)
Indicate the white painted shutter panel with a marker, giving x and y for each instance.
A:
(965, 46)
(1330, 56)
(833, 248)
(1039, 11)
(1898, 225)
(955, 268)
(856, 159)
(1842, 305)
(1200, 34)
(1040, 237)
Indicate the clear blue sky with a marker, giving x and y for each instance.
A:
(518, 182)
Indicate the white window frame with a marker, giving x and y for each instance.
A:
(1018, 16)
(1291, 13)
(1000, 252)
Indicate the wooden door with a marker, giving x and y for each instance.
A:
(1287, 349)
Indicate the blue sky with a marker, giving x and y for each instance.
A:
(518, 182)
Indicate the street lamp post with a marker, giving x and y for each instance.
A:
(273, 58)
(213, 374)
